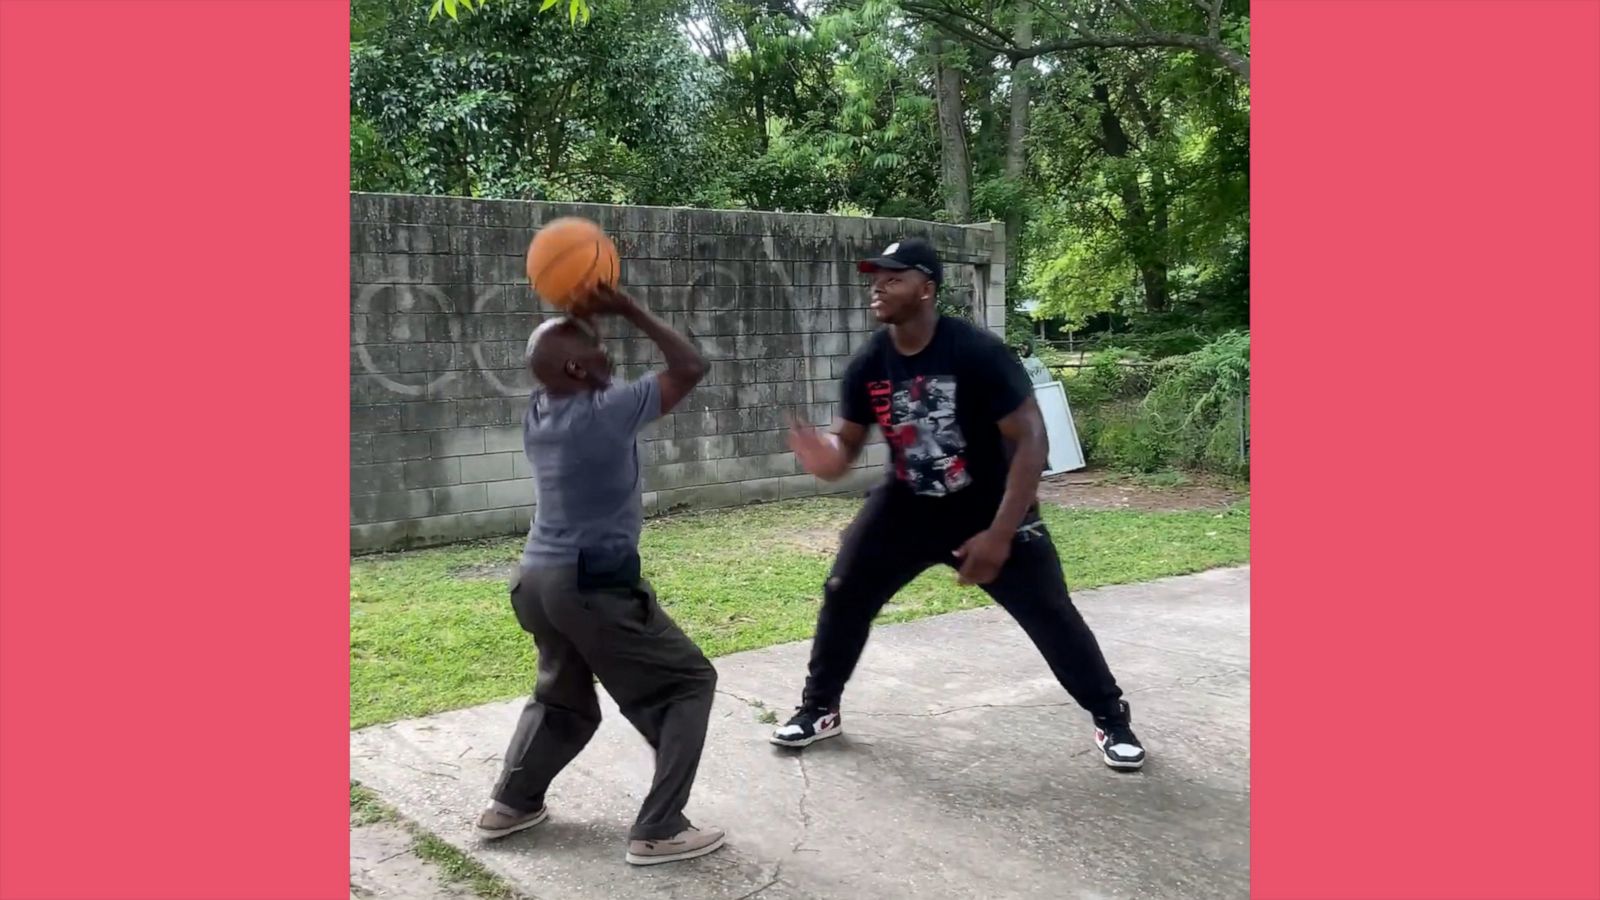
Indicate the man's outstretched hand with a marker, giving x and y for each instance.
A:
(818, 454)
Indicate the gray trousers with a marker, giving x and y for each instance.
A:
(610, 628)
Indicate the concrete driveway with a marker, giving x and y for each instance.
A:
(964, 770)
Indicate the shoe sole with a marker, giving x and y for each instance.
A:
(492, 833)
(714, 846)
(806, 742)
(1122, 765)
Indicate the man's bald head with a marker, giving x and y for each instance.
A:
(564, 354)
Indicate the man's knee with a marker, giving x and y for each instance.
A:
(843, 599)
(839, 593)
(701, 681)
(571, 723)
(566, 705)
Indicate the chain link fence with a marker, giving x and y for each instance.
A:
(1189, 411)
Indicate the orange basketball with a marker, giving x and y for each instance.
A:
(568, 257)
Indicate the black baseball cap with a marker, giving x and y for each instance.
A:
(910, 253)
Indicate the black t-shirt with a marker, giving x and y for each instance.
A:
(940, 413)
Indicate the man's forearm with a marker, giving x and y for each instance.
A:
(678, 351)
(1022, 485)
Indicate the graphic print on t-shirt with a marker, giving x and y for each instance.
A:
(918, 419)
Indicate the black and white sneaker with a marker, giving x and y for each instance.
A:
(1117, 742)
(808, 726)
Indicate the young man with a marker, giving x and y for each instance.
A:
(968, 447)
(579, 591)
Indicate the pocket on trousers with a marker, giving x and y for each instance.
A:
(628, 609)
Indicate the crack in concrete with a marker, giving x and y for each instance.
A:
(742, 699)
(955, 709)
(426, 772)
(1194, 654)
(1188, 682)
(767, 714)
(775, 879)
(800, 840)
(1179, 683)
(805, 814)
(395, 855)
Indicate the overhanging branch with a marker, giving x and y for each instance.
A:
(972, 29)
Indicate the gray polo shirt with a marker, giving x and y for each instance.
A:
(587, 477)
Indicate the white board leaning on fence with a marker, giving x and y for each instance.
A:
(1066, 454)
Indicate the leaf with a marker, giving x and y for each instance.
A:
(433, 11)
(546, 5)
(450, 9)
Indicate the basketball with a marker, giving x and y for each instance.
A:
(568, 257)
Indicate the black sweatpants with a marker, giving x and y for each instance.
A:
(608, 627)
(893, 540)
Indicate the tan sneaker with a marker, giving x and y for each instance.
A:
(496, 824)
(686, 844)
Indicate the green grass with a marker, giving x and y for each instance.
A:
(459, 868)
(454, 866)
(424, 639)
(365, 808)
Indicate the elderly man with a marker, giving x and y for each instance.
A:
(579, 591)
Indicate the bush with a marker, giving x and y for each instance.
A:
(1111, 376)
(1126, 440)
(1188, 412)
(1160, 344)
(1196, 405)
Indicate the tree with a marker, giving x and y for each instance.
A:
(576, 9)
(499, 105)
(955, 159)
(1116, 153)
(1149, 165)
(1198, 26)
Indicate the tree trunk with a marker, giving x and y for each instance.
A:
(955, 164)
(758, 88)
(1153, 274)
(1145, 221)
(1154, 270)
(761, 115)
(1016, 148)
(1021, 72)
(1156, 295)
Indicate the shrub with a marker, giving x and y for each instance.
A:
(1126, 440)
(1188, 411)
(1196, 401)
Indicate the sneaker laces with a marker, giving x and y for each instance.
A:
(808, 714)
(1120, 733)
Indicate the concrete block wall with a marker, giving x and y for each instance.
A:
(441, 310)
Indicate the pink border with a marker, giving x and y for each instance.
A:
(173, 656)
(1426, 672)
(173, 465)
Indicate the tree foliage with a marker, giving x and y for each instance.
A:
(1111, 136)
